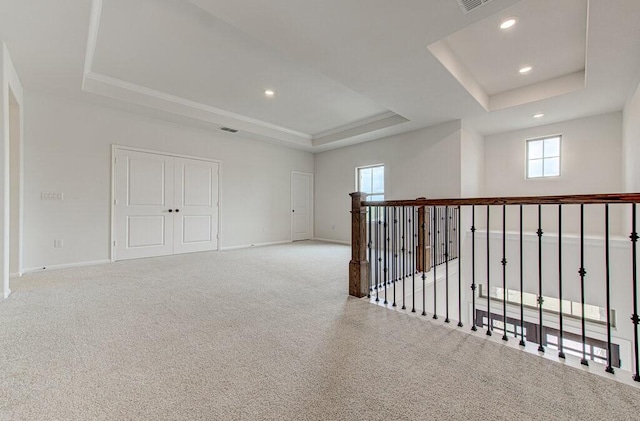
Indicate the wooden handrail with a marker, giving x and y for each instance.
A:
(523, 200)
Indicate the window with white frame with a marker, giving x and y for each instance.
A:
(370, 180)
(543, 157)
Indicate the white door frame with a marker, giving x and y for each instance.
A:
(311, 187)
(115, 148)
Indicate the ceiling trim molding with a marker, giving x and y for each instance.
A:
(527, 94)
(104, 85)
(126, 91)
(92, 38)
(370, 125)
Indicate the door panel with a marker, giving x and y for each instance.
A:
(144, 195)
(147, 181)
(196, 229)
(145, 231)
(197, 185)
(301, 185)
(196, 198)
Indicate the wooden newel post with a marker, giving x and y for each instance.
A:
(423, 250)
(358, 266)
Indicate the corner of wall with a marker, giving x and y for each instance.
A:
(10, 88)
(471, 162)
(631, 139)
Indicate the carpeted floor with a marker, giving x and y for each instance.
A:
(261, 334)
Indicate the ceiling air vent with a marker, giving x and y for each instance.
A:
(469, 5)
(228, 129)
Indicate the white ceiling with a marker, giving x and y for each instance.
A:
(227, 68)
(344, 71)
(550, 36)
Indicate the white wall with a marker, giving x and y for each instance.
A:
(591, 151)
(68, 150)
(472, 163)
(423, 163)
(11, 99)
(15, 168)
(631, 142)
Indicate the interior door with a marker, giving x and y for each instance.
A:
(195, 205)
(143, 199)
(301, 185)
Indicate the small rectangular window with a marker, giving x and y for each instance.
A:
(370, 180)
(543, 157)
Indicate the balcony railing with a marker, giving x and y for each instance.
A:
(536, 287)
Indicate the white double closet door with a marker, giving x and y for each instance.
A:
(164, 205)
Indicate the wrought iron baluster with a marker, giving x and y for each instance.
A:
(522, 342)
(404, 255)
(436, 231)
(386, 253)
(473, 269)
(413, 222)
(489, 323)
(446, 262)
(394, 246)
(634, 316)
(504, 272)
(540, 298)
(370, 245)
(424, 263)
(582, 273)
(609, 368)
(377, 252)
(459, 255)
(560, 313)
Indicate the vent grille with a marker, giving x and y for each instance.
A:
(469, 5)
(228, 129)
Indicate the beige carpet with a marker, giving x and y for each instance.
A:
(261, 334)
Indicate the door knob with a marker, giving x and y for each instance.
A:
(170, 210)
(293, 210)
(177, 210)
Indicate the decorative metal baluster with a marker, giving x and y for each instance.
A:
(436, 231)
(377, 252)
(459, 253)
(522, 342)
(540, 298)
(634, 316)
(504, 272)
(582, 273)
(370, 245)
(560, 313)
(404, 255)
(386, 253)
(473, 269)
(447, 226)
(489, 327)
(412, 222)
(609, 368)
(394, 246)
(424, 264)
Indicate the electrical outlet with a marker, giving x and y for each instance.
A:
(51, 196)
(58, 243)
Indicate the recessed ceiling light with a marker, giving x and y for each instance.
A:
(525, 70)
(508, 23)
(269, 92)
(539, 115)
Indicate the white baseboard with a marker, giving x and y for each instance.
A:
(67, 266)
(246, 246)
(326, 240)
